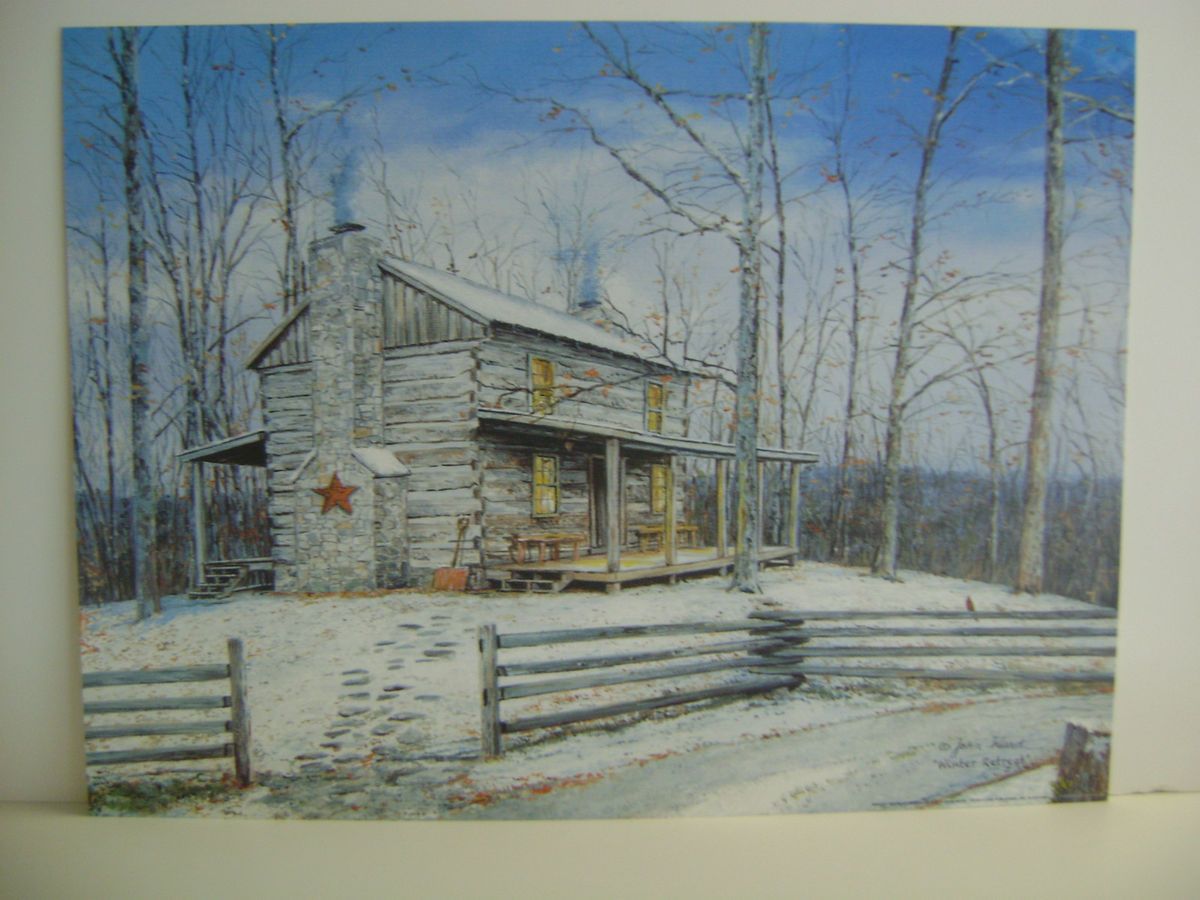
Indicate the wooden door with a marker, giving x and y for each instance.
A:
(597, 505)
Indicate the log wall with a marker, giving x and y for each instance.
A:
(507, 493)
(429, 422)
(292, 345)
(287, 398)
(591, 385)
(412, 317)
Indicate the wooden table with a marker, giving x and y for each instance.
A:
(651, 536)
(548, 545)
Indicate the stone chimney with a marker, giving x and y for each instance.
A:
(350, 494)
(345, 322)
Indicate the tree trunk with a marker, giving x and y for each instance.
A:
(886, 557)
(124, 51)
(745, 569)
(993, 540)
(780, 279)
(842, 491)
(1033, 518)
(291, 287)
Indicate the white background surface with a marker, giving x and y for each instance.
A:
(1131, 846)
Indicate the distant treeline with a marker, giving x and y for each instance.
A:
(237, 529)
(945, 519)
(944, 525)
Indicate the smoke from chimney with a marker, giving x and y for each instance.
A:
(589, 282)
(344, 181)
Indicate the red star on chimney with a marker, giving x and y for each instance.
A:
(336, 494)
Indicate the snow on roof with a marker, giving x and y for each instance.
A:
(382, 463)
(491, 305)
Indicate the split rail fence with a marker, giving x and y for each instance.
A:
(782, 650)
(498, 686)
(237, 724)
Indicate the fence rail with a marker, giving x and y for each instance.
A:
(964, 643)
(237, 725)
(776, 653)
(740, 655)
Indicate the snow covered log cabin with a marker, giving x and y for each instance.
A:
(415, 420)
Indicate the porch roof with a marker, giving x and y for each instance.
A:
(249, 449)
(564, 427)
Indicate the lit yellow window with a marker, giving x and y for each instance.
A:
(545, 485)
(658, 488)
(541, 383)
(656, 404)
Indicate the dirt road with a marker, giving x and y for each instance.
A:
(985, 750)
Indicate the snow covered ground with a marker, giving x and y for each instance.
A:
(368, 706)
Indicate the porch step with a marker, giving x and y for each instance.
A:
(225, 577)
(534, 585)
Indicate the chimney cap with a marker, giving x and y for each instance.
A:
(343, 227)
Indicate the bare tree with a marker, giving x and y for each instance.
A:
(985, 350)
(296, 119)
(845, 174)
(94, 395)
(1030, 562)
(203, 195)
(123, 52)
(944, 106)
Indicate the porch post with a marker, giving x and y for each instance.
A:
(762, 509)
(722, 525)
(199, 551)
(669, 540)
(613, 500)
(793, 516)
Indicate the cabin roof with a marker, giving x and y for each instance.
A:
(490, 306)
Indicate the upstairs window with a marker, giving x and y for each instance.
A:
(545, 485)
(656, 405)
(541, 385)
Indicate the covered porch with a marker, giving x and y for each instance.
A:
(617, 552)
(634, 566)
(215, 578)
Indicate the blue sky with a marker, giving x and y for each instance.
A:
(473, 163)
(893, 64)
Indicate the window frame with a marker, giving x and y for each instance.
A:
(555, 486)
(659, 410)
(546, 392)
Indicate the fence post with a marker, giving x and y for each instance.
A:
(1083, 764)
(240, 713)
(489, 731)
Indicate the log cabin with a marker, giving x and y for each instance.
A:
(415, 422)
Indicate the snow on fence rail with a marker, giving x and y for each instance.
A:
(779, 647)
(237, 724)
(739, 654)
(964, 643)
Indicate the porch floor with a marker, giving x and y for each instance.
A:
(635, 566)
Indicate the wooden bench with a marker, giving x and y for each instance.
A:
(549, 546)
(650, 537)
